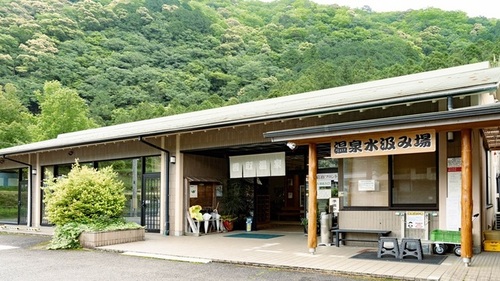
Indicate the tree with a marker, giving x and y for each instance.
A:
(14, 118)
(61, 111)
(142, 111)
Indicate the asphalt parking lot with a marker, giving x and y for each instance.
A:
(25, 257)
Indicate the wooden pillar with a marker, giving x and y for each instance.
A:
(466, 200)
(312, 202)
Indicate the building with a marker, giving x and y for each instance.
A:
(403, 152)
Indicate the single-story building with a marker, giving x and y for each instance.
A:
(410, 154)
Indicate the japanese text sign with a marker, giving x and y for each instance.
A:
(384, 144)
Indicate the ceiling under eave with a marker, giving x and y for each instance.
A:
(492, 137)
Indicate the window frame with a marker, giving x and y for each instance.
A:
(391, 205)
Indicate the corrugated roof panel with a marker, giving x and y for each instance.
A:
(437, 83)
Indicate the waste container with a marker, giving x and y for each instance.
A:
(326, 225)
(249, 223)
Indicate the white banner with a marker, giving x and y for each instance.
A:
(257, 165)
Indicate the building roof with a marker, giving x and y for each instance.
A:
(456, 118)
(456, 81)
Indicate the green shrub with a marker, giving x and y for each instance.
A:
(85, 195)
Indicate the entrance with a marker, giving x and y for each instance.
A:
(14, 197)
(150, 217)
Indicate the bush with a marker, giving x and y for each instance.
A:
(86, 195)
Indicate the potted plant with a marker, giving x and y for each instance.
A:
(234, 203)
(228, 222)
(86, 206)
(304, 221)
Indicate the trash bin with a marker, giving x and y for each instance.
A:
(249, 223)
(326, 225)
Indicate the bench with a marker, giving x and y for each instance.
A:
(341, 233)
(290, 213)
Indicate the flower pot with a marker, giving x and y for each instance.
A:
(103, 238)
(229, 225)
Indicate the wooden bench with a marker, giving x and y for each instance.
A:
(341, 233)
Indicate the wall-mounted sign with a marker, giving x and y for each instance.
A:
(193, 191)
(384, 144)
(415, 219)
(257, 165)
(335, 204)
(324, 184)
(368, 185)
(454, 176)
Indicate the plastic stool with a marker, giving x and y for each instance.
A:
(411, 247)
(388, 250)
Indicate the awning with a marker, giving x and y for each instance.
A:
(202, 179)
(485, 117)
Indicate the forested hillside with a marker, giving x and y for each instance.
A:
(136, 59)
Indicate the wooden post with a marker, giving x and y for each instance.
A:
(466, 200)
(312, 233)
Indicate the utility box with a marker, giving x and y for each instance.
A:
(326, 233)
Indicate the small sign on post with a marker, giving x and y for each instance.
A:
(415, 220)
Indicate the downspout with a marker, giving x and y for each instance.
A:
(30, 185)
(449, 106)
(449, 100)
(167, 216)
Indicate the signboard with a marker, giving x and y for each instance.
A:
(193, 191)
(335, 203)
(384, 144)
(324, 184)
(257, 165)
(415, 220)
(453, 207)
(368, 185)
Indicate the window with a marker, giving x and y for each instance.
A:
(410, 178)
(414, 179)
(365, 182)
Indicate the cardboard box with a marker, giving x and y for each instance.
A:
(491, 245)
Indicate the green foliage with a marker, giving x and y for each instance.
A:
(138, 59)
(14, 118)
(237, 199)
(8, 202)
(66, 236)
(62, 111)
(84, 196)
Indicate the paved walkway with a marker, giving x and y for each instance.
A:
(290, 251)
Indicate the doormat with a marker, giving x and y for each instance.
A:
(253, 235)
(428, 259)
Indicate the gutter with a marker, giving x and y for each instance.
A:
(476, 90)
(384, 122)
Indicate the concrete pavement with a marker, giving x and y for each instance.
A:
(290, 251)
